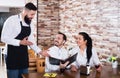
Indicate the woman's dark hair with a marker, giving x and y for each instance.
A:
(64, 36)
(88, 44)
(30, 6)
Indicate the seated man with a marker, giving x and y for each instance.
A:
(57, 51)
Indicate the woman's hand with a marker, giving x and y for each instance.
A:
(73, 68)
(99, 69)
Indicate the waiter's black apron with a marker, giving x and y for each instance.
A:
(17, 56)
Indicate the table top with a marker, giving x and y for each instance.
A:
(107, 72)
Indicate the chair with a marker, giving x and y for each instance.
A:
(35, 62)
(32, 61)
(2, 57)
(40, 65)
(32, 65)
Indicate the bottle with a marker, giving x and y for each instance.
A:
(88, 69)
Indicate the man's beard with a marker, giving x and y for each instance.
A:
(27, 20)
(56, 43)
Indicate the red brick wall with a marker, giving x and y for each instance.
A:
(48, 21)
(100, 19)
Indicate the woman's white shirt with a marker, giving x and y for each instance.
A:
(82, 58)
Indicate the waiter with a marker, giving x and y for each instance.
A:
(17, 33)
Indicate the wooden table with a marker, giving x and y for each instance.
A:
(107, 72)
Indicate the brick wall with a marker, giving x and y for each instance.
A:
(99, 18)
(48, 21)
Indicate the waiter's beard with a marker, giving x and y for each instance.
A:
(27, 20)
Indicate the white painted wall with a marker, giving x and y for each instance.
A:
(12, 3)
(4, 9)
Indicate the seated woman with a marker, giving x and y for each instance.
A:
(86, 53)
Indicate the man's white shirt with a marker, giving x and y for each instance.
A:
(59, 53)
(12, 28)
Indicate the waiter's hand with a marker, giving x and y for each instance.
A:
(44, 53)
(25, 41)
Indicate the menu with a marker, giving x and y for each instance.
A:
(55, 61)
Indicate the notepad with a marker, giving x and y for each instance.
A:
(50, 74)
(55, 61)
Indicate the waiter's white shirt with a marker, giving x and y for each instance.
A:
(82, 58)
(12, 28)
(59, 53)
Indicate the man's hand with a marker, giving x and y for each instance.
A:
(45, 53)
(25, 41)
(64, 65)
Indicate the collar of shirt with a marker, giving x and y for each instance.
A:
(84, 53)
(56, 52)
(23, 23)
(59, 50)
